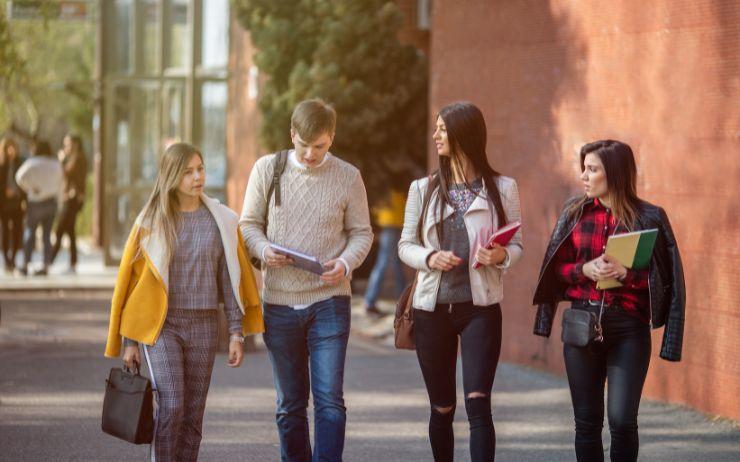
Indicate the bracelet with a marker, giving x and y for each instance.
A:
(236, 338)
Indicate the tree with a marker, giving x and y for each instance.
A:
(348, 53)
(46, 71)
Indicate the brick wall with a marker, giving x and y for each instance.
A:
(663, 76)
(242, 119)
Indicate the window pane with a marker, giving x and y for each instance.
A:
(119, 19)
(150, 40)
(213, 131)
(215, 34)
(146, 152)
(172, 112)
(177, 28)
(120, 173)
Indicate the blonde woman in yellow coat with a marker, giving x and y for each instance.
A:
(183, 255)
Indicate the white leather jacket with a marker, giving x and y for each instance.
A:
(486, 282)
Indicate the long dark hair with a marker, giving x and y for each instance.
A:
(466, 133)
(621, 179)
(5, 145)
(78, 150)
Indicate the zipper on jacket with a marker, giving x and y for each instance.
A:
(650, 301)
(559, 245)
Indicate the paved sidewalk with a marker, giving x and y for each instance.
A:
(91, 274)
(53, 374)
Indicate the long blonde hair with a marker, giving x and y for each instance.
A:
(162, 210)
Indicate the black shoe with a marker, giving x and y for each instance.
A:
(23, 271)
(41, 272)
(374, 312)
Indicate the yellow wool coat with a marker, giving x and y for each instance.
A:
(139, 305)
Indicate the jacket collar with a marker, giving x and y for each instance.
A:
(153, 246)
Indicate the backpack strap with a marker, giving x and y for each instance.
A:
(278, 167)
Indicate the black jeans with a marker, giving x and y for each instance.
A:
(436, 335)
(12, 231)
(622, 360)
(66, 225)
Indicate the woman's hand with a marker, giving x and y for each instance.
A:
(612, 268)
(236, 353)
(494, 256)
(131, 357)
(444, 260)
(593, 269)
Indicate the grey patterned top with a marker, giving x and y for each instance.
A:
(454, 286)
(198, 255)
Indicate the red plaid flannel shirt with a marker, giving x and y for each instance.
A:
(588, 241)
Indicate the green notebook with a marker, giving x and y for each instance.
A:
(632, 250)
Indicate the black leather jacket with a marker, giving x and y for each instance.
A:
(665, 283)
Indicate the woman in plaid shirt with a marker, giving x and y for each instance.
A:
(575, 262)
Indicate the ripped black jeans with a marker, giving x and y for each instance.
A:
(436, 335)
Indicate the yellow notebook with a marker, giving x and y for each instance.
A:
(633, 250)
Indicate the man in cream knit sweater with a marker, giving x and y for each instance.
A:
(323, 212)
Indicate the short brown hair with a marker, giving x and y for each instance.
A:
(312, 118)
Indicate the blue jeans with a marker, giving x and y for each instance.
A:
(39, 213)
(298, 341)
(387, 255)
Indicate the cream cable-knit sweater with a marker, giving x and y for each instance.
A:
(323, 212)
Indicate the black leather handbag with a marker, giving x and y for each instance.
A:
(128, 411)
(581, 327)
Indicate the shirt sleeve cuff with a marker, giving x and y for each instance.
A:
(346, 266)
(507, 261)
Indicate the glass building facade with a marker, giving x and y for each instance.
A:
(164, 79)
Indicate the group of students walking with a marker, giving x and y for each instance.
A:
(187, 251)
(31, 190)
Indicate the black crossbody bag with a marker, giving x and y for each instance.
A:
(581, 327)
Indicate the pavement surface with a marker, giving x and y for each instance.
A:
(52, 376)
(90, 275)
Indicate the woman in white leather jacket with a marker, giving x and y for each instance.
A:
(448, 216)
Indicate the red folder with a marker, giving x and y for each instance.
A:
(501, 237)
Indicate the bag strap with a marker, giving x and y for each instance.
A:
(278, 167)
(410, 302)
(599, 331)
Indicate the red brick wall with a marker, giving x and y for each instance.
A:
(410, 33)
(242, 120)
(663, 76)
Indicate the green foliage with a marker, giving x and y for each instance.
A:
(46, 72)
(346, 52)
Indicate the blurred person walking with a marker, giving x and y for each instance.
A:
(40, 177)
(182, 256)
(389, 217)
(12, 203)
(74, 165)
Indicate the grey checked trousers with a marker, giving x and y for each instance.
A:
(181, 362)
